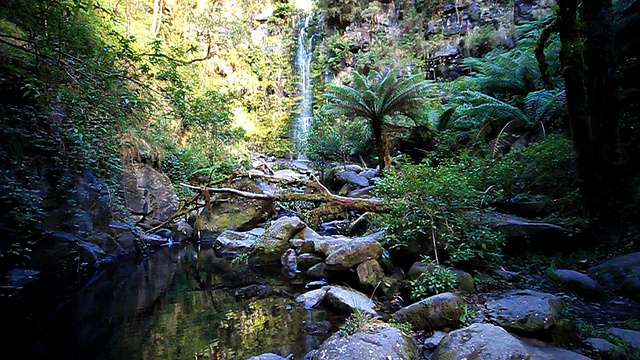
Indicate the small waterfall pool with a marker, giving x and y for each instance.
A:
(182, 302)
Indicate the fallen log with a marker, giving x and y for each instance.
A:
(314, 192)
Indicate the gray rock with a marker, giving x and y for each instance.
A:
(312, 298)
(579, 283)
(434, 312)
(465, 281)
(149, 194)
(285, 228)
(525, 310)
(233, 243)
(370, 273)
(289, 262)
(356, 251)
(345, 300)
(317, 271)
(434, 340)
(542, 351)
(369, 173)
(620, 274)
(353, 178)
(182, 231)
(507, 275)
(480, 341)
(269, 356)
(605, 350)
(269, 247)
(306, 260)
(383, 343)
(630, 339)
(418, 268)
(518, 227)
(327, 244)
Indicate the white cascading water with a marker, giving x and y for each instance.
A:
(302, 123)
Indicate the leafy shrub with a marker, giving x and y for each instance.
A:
(337, 139)
(434, 281)
(436, 208)
(543, 170)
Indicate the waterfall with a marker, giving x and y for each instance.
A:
(302, 123)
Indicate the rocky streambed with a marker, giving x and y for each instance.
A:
(354, 275)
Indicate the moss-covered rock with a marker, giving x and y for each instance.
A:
(432, 313)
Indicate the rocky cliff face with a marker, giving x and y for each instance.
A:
(437, 35)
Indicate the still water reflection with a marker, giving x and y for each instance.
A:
(178, 303)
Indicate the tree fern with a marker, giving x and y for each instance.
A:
(377, 96)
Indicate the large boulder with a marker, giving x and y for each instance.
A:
(234, 213)
(149, 195)
(355, 252)
(620, 274)
(269, 247)
(432, 313)
(525, 311)
(480, 341)
(518, 227)
(383, 343)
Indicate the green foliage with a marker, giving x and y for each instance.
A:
(338, 48)
(281, 12)
(487, 120)
(438, 207)
(466, 313)
(358, 321)
(405, 326)
(333, 138)
(378, 96)
(543, 171)
(435, 280)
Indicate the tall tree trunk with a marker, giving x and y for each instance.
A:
(382, 144)
(588, 68)
(600, 81)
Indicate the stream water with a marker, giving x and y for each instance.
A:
(177, 303)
